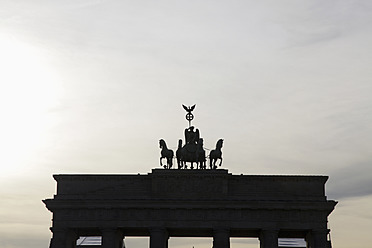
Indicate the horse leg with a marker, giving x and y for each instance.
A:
(165, 165)
(220, 161)
(161, 164)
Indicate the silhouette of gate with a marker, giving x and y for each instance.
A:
(189, 203)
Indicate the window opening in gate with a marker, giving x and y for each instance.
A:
(292, 243)
(90, 241)
(136, 242)
(190, 242)
(244, 243)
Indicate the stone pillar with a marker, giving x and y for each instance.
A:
(221, 238)
(318, 239)
(158, 238)
(63, 238)
(112, 238)
(269, 238)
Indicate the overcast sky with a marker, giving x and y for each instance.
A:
(91, 86)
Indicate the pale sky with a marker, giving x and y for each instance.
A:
(91, 86)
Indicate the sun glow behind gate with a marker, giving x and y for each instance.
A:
(28, 90)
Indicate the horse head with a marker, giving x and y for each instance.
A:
(162, 143)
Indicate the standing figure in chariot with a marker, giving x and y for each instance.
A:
(191, 136)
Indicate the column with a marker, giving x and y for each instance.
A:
(269, 238)
(221, 238)
(317, 238)
(158, 238)
(112, 238)
(63, 238)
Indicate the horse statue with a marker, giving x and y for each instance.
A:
(179, 155)
(192, 153)
(165, 153)
(200, 154)
(216, 154)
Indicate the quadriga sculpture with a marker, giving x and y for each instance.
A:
(192, 153)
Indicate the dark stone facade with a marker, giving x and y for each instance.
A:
(189, 203)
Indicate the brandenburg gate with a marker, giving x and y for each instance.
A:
(190, 202)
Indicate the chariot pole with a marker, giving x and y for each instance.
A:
(189, 115)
